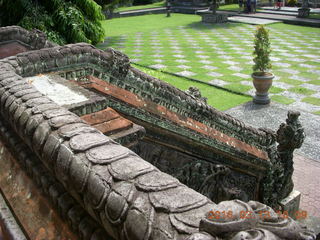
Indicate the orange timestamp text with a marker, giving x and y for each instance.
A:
(264, 214)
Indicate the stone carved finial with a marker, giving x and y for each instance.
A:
(195, 92)
(290, 136)
(236, 220)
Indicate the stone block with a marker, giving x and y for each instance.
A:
(214, 18)
(291, 203)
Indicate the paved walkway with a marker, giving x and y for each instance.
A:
(306, 160)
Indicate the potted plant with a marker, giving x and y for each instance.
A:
(262, 79)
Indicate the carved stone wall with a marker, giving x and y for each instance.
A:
(212, 179)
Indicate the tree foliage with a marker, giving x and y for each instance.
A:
(64, 21)
(261, 50)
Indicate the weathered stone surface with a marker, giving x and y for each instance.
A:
(25, 92)
(177, 200)
(115, 152)
(55, 113)
(129, 168)
(116, 208)
(79, 172)
(60, 121)
(71, 130)
(37, 101)
(98, 190)
(31, 96)
(156, 181)
(40, 136)
(86, 141)
(43, 107)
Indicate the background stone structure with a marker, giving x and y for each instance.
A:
(101, 187)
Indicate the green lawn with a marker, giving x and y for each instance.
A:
(153, 5)
(229, 7)
(314, 15)
(217, 98)
(219, 54)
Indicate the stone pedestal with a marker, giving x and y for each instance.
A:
(214, 18)
(303, 12)
(291, 203)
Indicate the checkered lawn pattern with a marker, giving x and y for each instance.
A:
(222, 55)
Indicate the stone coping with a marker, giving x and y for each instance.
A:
(33, 39)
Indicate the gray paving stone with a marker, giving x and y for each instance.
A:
(289, 70)
(181, 60)
(205, 61)
(317, 95)
(158, 66)
(218, 82)
(209, 67)
(281, 64)
(305, 106)
(214, 74)
(287, 55)
(135, 60)
(276, 59)
(230, 62)
(158, 55)
(314, 71)
(292, 95)
(137, 55)
(280, 50)
(184, 66)
(179, 56)
(225, 57)
(242, 75)
(247, 83)
(296, 60)
(282, 85)
(202, 56)
(186, 73)
(297, 77)
(307, 65)
(235, 68)
(158, 60)
(311, 56)
(311, 86)
(247, 57)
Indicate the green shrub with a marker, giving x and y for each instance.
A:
(261, 50)
(292, 3)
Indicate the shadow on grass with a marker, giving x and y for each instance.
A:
(208, 26)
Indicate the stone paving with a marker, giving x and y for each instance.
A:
(306, 160)
(223, 56)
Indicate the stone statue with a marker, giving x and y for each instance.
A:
(290, 136)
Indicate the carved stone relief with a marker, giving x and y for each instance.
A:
(213, 180)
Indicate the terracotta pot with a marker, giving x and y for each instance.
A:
(262, 85)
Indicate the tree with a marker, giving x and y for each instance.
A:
(64, 21)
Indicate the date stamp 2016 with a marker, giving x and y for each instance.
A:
(301, 214)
